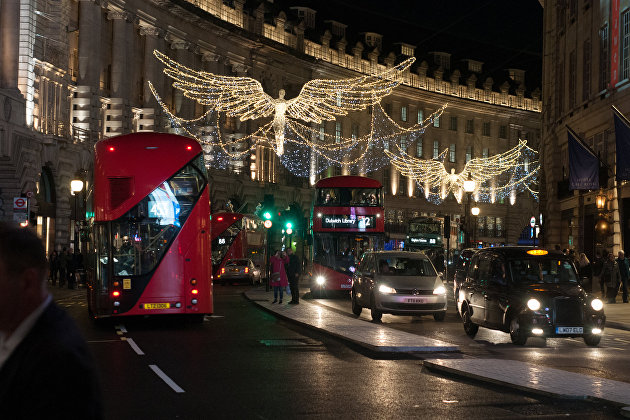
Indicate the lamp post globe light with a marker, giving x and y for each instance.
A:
(76, 186)
(469, 187)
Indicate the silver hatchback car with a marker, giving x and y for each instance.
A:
(398, 283)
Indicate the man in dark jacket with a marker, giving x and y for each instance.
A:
(294, 268)
(46, 370)
(624, 271)
(611, 278)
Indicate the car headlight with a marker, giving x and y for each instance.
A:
(440, 290)
(320, 280)
(597, 304)
(533, 304)
(386, 289)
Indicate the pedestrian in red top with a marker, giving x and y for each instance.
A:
(278, 278)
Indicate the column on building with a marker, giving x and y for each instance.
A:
(9, 41)
(145, 116)
(85, 106)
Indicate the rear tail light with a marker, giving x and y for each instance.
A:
(194, 291)
(246, 270)
(223, 270)
(116, 293)
(193, 281)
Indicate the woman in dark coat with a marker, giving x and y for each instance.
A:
(278, 279)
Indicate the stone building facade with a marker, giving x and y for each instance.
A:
(74, 72)
(587, 70)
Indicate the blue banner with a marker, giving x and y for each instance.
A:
(622, 136)
(583, 167)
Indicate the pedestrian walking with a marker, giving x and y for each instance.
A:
(278, 276)
(624, 272)
(596, 268)
(72, 267)
(294, 269)
(46, 369)
(54, 267)
(63, 266)
(611, 278)
(585, 271)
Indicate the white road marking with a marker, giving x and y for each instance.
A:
(102, 341)
(215, 316)
(133, 345)
(166, 379)
(121, 328)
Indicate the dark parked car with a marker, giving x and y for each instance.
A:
(239, 270)
(399, 283)
(528, 292)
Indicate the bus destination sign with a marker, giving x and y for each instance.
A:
(348, 222)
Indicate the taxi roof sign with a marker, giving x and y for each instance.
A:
(538, 252)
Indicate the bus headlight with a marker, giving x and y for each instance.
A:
(386, 289)
(440, 290)
(320, 280)
(533, 304)
(597, 304)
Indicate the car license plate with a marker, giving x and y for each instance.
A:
(157, 305)
(346, 286)
(569, 330)
(234, 270)
(416, 300)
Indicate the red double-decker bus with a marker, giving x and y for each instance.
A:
(347, 219)
(237, 236)
(149, 250)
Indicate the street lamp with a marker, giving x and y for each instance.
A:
(475, 212)
(76, 186)
(600, 200)
(469, 187)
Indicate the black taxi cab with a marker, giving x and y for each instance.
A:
(528, 292)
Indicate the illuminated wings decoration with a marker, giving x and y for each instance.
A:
(319, 99)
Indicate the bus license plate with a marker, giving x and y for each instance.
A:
(569, 330)
(346, 286)
(415, 300)
(157, 305)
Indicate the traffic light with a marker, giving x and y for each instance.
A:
(267, 211)
(288, 227)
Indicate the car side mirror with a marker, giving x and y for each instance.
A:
(441, 274)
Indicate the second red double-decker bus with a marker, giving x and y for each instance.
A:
(149, 250)
(236, 236)
(347, 220)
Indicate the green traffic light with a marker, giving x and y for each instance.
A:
(267, 215)
(289, 225)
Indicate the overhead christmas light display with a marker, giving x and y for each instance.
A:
(319, 100)
(496, 177)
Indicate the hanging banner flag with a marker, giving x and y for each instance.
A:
(583, 166)
(622, 137)
(614, 48)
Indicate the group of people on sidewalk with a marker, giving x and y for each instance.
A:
(64, 266)
(612, 273)
(285, 271)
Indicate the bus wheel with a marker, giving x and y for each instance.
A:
(196, 318)
(470, 328)
(356, 308)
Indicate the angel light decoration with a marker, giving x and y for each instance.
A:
(319, 99)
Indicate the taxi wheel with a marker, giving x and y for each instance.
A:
(439, 316)
(376, 314)
(356, 308)
(592, 339)
(470, 328)
(516, 333)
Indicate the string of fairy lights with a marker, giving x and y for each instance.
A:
(308, 149)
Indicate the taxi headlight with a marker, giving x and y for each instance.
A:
(320, 280)
(533, 304)
(386, 289)
(597, 304)
(440, 290)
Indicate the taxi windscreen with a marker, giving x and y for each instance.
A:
(542, 270)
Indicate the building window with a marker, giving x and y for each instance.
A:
(453, 126)
(436, 149)
(572, 78)
(403, 143)
(486, 129)
(338, 133)
(436, 122)
(420, 116)
(355, 131)
(468, 153)
(451, 153)
(625, 44)
(388, 109)
(470, 126)
(419, 148)
(604, 74)
(485, 153)
(403, 113)
(503, 131)
(322, 132)
(386, 144)
(586, 71)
